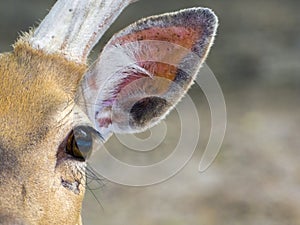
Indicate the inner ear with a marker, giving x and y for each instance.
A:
(146, 110)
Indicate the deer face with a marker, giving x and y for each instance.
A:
(54, 108)
(36, 181)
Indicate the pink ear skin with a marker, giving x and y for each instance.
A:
(192, 29)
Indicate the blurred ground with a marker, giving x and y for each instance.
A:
(255, 179)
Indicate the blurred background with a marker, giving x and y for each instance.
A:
(256, 177)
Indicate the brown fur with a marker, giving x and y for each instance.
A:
(33, 86)
(35, 90)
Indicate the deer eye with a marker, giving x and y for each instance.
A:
(80, 142)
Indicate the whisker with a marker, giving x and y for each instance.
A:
(92, 192)
(93, 176)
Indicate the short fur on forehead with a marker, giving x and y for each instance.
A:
(34, 87)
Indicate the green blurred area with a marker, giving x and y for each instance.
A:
(256, 177)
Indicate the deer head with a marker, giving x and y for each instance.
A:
(54, 107)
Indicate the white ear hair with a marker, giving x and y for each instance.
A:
(73, 27)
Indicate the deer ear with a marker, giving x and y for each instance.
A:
(145, 69)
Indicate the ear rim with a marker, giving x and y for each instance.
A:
(194, 17)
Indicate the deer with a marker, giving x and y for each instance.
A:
(54, 103)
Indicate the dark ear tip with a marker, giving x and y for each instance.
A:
(146, 110)
(210, 16)
(199, 15)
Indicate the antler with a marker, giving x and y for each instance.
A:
(73, 27)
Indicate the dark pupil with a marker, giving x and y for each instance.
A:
(80, 142)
